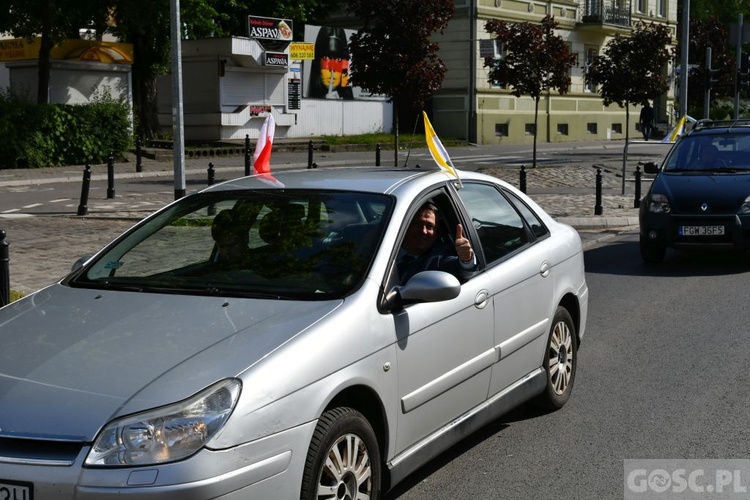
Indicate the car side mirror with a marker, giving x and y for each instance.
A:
(426, 286)
(650, 167)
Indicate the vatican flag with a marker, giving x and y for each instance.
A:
(438, 152)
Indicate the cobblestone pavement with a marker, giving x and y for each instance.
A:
(42, 249)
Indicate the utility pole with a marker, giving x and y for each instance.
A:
(684, 68)
(178, 126)
(737, 81)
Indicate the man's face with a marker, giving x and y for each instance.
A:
(421, 233)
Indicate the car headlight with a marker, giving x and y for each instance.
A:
(659, 204)
(166, 434)
(745, 207)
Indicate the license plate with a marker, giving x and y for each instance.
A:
(15, 491)
(702, 230)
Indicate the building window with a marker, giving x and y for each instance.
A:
(529, 129)
(591, 128)
(501, 130)
(562, 129)
(498, 53)
(591, 53)
(662, 8)
(641, 6)
(617, 128)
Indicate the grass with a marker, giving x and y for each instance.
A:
(14, 295)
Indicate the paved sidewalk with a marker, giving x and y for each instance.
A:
(43, 248)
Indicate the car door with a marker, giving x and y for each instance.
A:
(515, 244)
(444, 354)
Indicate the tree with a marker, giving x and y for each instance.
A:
(535, 61)
(392, 53)
(630, 69)
(52, 21)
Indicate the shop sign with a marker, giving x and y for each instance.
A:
(269, 28)
(302, 51)
(278, 59)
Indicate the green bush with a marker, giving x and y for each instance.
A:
(48, 135)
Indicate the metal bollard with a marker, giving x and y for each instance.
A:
(377, 154)
(310, 154)
(4, 271)
(138, 155)
(522, 182)
(247, 155)
(83, 208)
(110, 176)
(637, 200)
(598, 210)
(210, 173)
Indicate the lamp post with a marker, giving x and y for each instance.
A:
(684, 68)
(177, 118)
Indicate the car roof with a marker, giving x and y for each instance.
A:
(384, 180)
(715, 127)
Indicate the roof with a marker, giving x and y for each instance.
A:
(369, 179)
(740, 125)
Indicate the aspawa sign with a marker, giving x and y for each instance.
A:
(269, 28)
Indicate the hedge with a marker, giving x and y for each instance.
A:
(49, 135)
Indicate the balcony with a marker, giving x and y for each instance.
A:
(601, 12)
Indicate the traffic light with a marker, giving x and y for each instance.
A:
(711, 78)
(743, 72)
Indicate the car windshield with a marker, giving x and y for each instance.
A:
(715, 153)
(286, 244)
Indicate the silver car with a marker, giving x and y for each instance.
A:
(299, 368)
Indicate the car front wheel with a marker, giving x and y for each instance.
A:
(343, 462)
(560, 360)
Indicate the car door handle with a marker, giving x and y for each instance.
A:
(544, 270)
(480, 301)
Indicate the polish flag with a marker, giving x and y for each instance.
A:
(262, 153)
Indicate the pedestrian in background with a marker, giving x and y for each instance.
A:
(646, 120)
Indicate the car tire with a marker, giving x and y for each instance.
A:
(560, 361)
(331, 470)
(652, 254)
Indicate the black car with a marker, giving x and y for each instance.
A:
(701, 193)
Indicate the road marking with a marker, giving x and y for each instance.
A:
(60, 200)
(11, 211)
(33, 205)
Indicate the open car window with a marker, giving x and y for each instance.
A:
(278, 244)
(500, 227)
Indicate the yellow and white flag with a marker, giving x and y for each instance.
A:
(679, 129)
(438, 152)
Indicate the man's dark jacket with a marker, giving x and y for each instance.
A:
(441, 257)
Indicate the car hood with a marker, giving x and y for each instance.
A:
(687, 192)
(73, 359)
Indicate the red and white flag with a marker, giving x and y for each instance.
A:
(262, 153)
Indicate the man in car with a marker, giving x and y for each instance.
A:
(421, 250)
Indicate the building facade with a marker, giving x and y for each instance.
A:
(469, 107)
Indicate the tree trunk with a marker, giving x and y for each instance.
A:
(627, 122)
(395, 133)
(43, 78)
(144, 98)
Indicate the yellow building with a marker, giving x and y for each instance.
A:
(469, 107)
